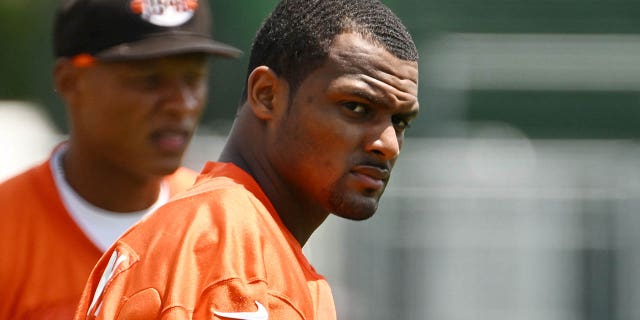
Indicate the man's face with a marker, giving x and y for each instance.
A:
(139, 115)
(337, 142)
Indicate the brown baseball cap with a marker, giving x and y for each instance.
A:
(135, 29)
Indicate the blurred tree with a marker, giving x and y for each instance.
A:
(235, 22)
(26, 59)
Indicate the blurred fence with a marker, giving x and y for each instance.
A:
(494, 228)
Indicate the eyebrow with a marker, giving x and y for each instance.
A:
(410, 115)
(382, 101)
(363, 94)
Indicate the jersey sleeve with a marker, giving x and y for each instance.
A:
(105, 296)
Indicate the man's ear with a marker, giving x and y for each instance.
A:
(65, 79)
(266, 92)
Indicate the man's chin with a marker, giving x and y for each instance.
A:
(165, 167)
(355, 208)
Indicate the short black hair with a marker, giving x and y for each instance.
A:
(295, 38)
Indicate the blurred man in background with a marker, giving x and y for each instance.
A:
(133, 75)
(331, 88)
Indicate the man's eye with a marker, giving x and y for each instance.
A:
(144, 82)
(400, 123)
(193, 79)
(356, 107)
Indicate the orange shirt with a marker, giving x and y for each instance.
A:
(45, 258)
(217, 251)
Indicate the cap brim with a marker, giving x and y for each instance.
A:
(165, 45)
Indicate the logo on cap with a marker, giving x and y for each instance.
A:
(165, 13)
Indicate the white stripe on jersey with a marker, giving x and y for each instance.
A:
(115, 261)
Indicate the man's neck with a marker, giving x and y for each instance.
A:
(300, 217)
(109, 187)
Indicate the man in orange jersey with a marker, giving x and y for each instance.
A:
(331, 87)
(133, 75)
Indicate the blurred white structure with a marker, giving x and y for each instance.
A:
(27, 136)
(590, 62)
(494, 229)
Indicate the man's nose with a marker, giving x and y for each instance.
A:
(182, 97)
(386, 143)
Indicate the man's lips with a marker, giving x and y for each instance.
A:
(371, 177)
(171, 140)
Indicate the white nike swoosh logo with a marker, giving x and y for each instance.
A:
(261, 314)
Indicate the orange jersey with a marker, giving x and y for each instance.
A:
(45, 258)
(218, 251)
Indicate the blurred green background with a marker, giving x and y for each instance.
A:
(26, 58)
(567, 111)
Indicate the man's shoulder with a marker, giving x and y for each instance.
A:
(213, 208)
(31, 187)
(25, 177)
(209, 205)
(214, 176)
